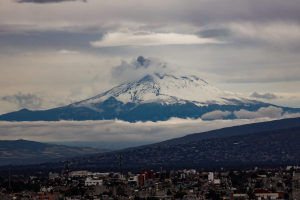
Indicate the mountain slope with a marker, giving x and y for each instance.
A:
(154, 98)
(230, 131)
(250, 150)
(27, 152)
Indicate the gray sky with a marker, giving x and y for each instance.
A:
(54, 52)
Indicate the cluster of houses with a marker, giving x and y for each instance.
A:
(149, 185)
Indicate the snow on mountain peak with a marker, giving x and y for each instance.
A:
(167, 89)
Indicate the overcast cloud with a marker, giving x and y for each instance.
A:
(54, 52)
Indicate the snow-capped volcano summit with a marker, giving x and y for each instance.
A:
(166, 90)
(153, 97)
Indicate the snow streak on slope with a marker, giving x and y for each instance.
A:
(168, 89)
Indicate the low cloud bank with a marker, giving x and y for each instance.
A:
(116, 134)
(112, 130)
(264, 112)
(270, 112)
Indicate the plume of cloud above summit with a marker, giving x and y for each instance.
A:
(140, 67)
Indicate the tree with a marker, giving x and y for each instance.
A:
(288, 182)
(137, 198)
(259, 184)
(254, 175)
(121, 191)
(169, 193)
(213, 195)
(152, 198)
(273, 190)
(251, 194)
(279, 184)
(175, 180)
(179, 195)
(107, 193)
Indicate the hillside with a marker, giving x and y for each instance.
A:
(29, 152)
(254, 144)
(232, 131)
(259, 148)
(264, 140)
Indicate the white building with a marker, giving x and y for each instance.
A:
(79, 173)
(53, 175)
(210, 176)
(217, 181)
(89, 181)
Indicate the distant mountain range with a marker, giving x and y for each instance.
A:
(154, 97)
(29, 152)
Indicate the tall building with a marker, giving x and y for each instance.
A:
(147, 174)
(210, 176)
(142, 180)
(151, 175)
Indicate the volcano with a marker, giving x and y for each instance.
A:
(153, 98)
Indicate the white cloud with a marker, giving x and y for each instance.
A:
(67, 52)
(133, 71)
(217, 114)
(290, 115)
(269, 112)
(149, 39)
